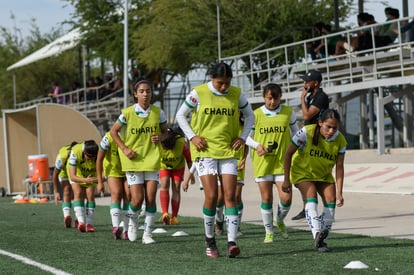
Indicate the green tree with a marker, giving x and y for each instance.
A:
(256, 25)
(102, 23)
(33, 80)
(178, 35)
(168, 38)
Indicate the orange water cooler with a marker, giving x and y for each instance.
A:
(38, 169)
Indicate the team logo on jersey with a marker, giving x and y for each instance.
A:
(272, 146)
(192, 99)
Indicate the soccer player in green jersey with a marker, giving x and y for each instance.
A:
(138, 132)
(174, 155)
(82, 176)
(314, 151)
(241, 169)
(109, 165)
(214, 143)
(274, 125)
(60, 176)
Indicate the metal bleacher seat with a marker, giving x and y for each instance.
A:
(371, 74)
(394, 60)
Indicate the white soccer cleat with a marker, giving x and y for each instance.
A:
(132, 229)
(147, 239)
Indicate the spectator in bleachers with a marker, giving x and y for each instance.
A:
(76, 97)
(320, 49)
(386, 26)
(56, 92)
(360, 42)
(108, 84)
(365, 37)
(317, 31)
(410, 29)
(118, 85)
(98, 80)
(91, 93)
(388, 32)
(99, 84)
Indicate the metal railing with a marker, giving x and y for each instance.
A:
(370, 68)
(78, 96)
(100, 107)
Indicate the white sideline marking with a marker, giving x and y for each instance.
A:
(31, 262)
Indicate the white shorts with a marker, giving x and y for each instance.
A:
(238, 182)
(209, 166)
(273, 178)
(141, 177)
(62, 179)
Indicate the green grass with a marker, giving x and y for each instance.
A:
(36, 231)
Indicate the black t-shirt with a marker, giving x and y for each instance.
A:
(321, 101)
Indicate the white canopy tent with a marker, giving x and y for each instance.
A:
(66, 42)
(63, 43)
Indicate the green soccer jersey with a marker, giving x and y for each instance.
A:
(137, 136)
(240, 155)
(111, 163)
(216, 120)
(61, 161)
(315, 163)
(173, 159)
(84, 167)
(273, 132)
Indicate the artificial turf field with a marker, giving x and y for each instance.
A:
(36, 232)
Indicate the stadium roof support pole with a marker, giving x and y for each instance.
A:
(405, 8)
(218, 31)
(336, 14)
(371, 119)
(84, 68)
(408, 129)
(363, 137)
(14, 91)
(360, 6)
(126, 82)
(380, 121)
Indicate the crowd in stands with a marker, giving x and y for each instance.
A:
(318, 48)
(101, 91)
(338, 45)
(97, 88)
